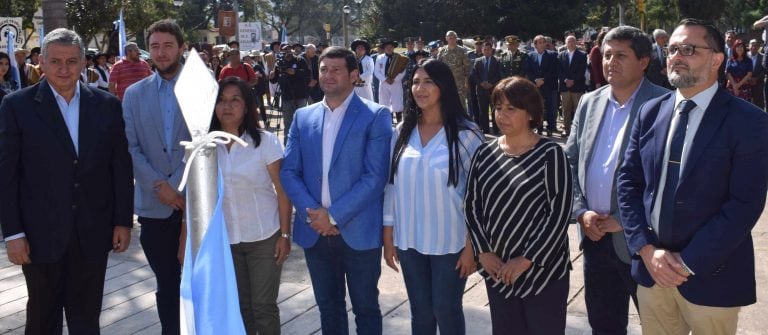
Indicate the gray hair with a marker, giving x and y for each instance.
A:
(658, 33)
(130, 46)
(62, 36)
(310, 46)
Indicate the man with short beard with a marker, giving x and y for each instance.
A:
(154, 127)
(691, 188)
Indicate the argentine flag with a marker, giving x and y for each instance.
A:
(14, 67)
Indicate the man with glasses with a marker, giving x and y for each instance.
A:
(128, 71)
(692, 186)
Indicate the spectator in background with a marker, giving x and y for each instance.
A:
(216, 66)
(657, 67)
(239, 69)
(596, 62)
(291, 75)
(572, 83)
(128, 71)
(103, 70)
(310, 56)
(7, 85)
(738, 71)
(758, 74)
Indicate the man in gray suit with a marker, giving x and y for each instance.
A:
(595, 150)
(154, 127)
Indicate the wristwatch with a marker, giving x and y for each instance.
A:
(285, 235)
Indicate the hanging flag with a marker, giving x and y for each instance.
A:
(14, 67)
(284, 35)
(41, 33)
(121, 34)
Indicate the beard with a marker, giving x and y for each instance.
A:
(690, 79)
(170, 69)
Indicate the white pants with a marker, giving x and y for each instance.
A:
(391, 95)
(364, 92)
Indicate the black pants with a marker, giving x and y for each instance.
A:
(535, 314)
(74, 284)
(160, 241)
(484, 107)
(608, 286)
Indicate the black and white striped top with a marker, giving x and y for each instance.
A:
(520, 205)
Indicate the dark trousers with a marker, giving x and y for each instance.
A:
(471, 102)
(160, 241)
(435, 292)
(551, 99)
(74, 284)
(331, 262)
(484, 108)
(608, 286)
(542, 314)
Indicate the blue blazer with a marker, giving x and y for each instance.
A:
(48, 190)
(574, 71)
(547, 70)
(720, 195)
(146, 142)
(358, 173)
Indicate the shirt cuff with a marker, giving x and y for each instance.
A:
(15, 237)
(578, 212)
(330, 218)
(686, 268)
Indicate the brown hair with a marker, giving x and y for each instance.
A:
(520, 93)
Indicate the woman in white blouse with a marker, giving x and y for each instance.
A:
(424, 226)
(256, 210)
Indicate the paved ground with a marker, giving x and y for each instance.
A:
(129, 302)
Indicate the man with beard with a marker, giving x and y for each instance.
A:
(691, 188)
(154, 127)
(128, 71)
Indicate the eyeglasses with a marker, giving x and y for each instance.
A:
(684, 49)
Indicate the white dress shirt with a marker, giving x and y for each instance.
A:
(331, 123)
(250, 200)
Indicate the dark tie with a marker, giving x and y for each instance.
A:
(666, 214)
(487, 66)
(386, 66)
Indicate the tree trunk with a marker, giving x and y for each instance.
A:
(54, 14)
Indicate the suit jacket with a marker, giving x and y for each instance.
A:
(146, 142)
(547, 69)
(358, 173)
(478, 74)
(720, 195)
(758, 70)
(575, 70)
(581, 144)
(48, 191)
(653, 72)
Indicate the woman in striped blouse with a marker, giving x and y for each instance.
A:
(423, 215)
(517, 206)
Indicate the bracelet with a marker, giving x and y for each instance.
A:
(286, 235)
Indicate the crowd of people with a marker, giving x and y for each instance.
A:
(664, 169)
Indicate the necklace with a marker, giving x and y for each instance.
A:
(516, 152)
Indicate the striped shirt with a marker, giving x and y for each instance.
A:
(426, 213)
(519, 206)
(125, 73)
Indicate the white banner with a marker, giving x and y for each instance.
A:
(12, 24)
(250, 36)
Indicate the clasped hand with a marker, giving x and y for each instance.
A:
(595, 225)
(320, 222)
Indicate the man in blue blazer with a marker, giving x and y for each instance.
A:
(66, 188)
(334, 171)
(155, 126)
(572, 64)
(692, 186)
(542, 71)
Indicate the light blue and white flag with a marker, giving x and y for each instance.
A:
(14, 67)
(284, 35)
(121, 34)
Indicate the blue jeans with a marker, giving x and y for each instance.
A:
(435, 292)
(608, 286)
(330, 261)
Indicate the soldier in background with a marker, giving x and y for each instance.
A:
(472, 104)
(513, 61)
(456, 58)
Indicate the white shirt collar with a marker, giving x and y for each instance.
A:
(343, 105)
(56, 94)
(702, 99)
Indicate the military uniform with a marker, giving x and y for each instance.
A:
(458, 61)
(472, 104)
(513, 63)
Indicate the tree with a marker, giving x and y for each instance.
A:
(54, 14)
(702, 9)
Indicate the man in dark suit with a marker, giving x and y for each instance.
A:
(657, 67)
(66, 189)
(542, 71)
(758, 74)
(573, 82)
(692, 186)
(600, 136)
(486, 72)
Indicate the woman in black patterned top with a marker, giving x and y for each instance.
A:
(518, 202)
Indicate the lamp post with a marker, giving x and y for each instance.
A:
(346, 11)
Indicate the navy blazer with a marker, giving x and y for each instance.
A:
(547, 70)
(47, 190)
(359, 171)
(478, 73)
(574, 71)
(720, 195)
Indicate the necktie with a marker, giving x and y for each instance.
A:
(360, 66)
(386, 66)
(487, 66)
(538, 59)
(667, 212)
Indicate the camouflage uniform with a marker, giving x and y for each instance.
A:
(513, 64)
(458, 61)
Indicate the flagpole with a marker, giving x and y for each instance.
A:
(201, 192)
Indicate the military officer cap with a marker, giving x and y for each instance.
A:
(478, 39)
(386, 42)
(512, 39)
(409, 40)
